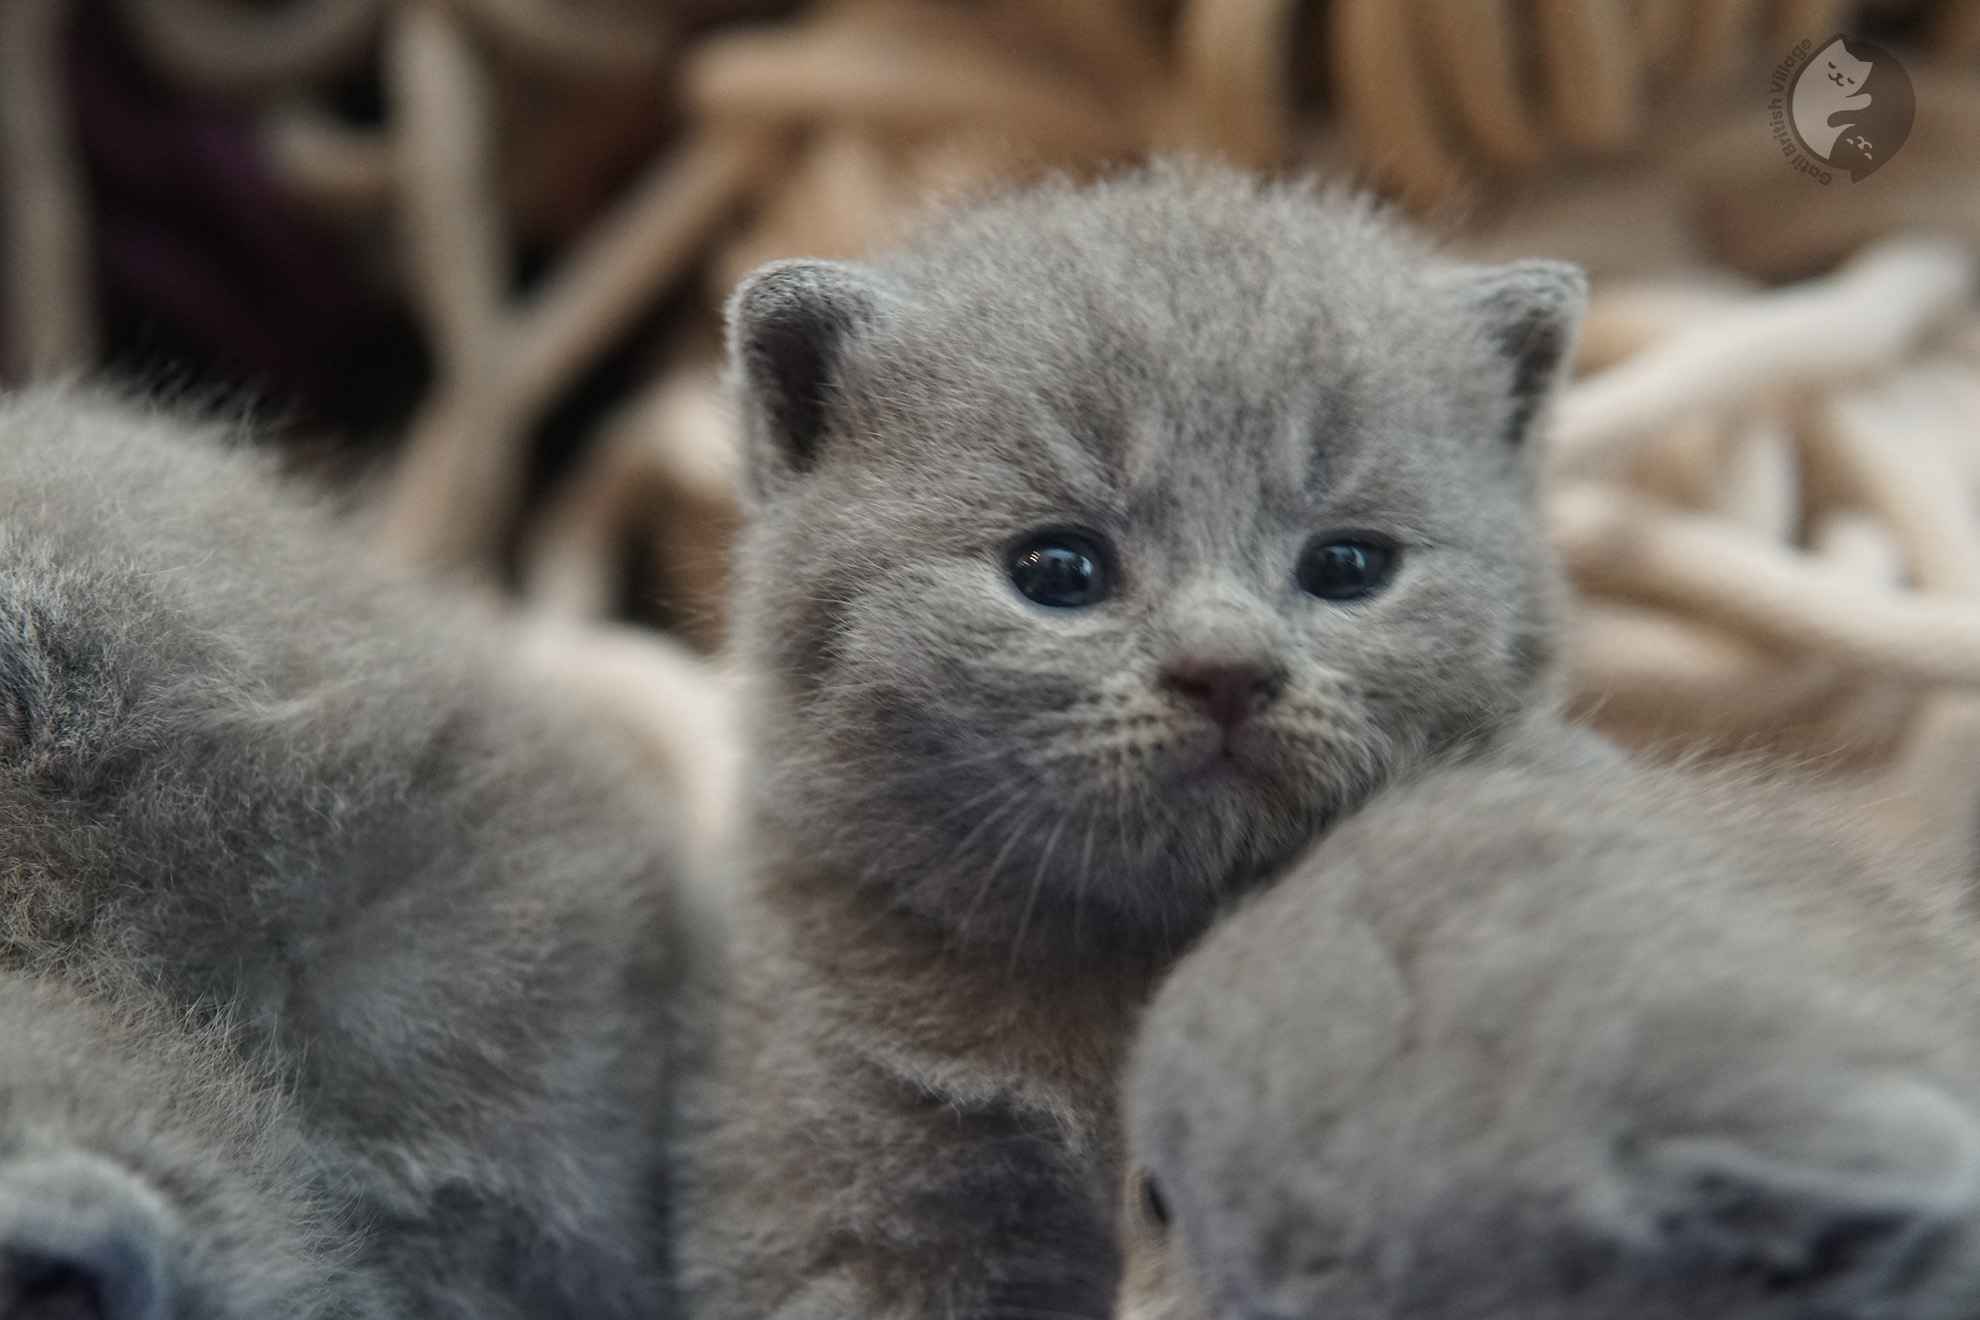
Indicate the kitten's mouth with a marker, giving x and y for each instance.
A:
(1221, 752)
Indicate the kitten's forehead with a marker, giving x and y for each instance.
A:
(1165, 339)
(1169, 400)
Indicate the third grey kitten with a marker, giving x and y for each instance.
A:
(1047, 660)
(1554, 1036)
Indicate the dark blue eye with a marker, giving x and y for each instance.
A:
(1063, 570)
(1346, 567)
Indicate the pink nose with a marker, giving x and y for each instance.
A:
(1227, 692)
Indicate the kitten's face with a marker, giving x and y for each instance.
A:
(1129, 560)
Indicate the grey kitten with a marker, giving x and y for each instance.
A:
(252, 792)
(1104, 549)
(1555, 1035)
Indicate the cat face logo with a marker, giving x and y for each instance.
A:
(1850, 106)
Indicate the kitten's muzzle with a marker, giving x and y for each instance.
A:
(1229, 692)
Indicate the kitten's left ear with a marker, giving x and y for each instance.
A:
(1531, 311)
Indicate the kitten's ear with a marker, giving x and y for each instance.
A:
(1531, 311)
(1880, 1182)
(789, 324)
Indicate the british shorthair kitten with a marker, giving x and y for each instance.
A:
(1104, 549)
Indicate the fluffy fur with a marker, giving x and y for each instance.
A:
(980, 827)
(398, 955)
(1551, 1035)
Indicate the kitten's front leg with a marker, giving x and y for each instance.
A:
(836, 1187)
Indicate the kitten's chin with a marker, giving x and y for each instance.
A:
(1217, 761)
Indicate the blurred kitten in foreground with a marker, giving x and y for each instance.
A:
(341, 977)
(1550, 1035)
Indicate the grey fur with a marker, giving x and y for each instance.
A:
(980, 827)
(359, 900)
(1552, 1035)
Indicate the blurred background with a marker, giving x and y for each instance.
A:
(464, 260)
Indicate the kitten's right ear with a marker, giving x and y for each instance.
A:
(789, 324)
(1531, 312)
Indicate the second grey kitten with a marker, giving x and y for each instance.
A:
(342, 975)
(1104, 549)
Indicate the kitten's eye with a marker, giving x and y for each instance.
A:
(1339, 567)
(1063, 570)
(1152, 1202)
